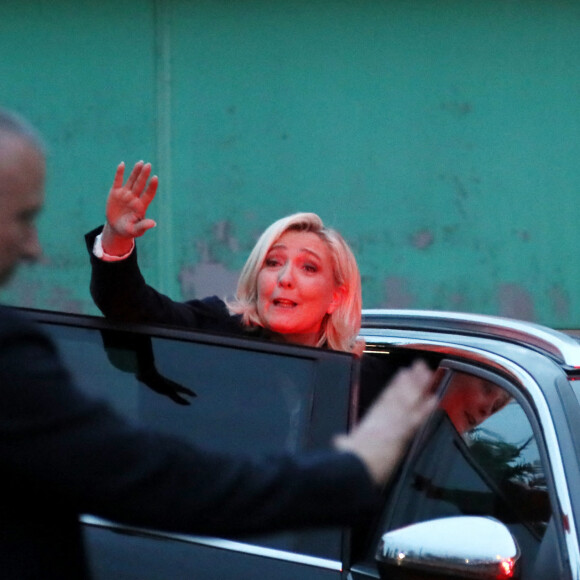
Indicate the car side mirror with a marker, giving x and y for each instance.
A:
(455, 547)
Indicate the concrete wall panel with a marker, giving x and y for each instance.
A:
(441, 137)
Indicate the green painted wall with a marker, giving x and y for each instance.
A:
(442, 137)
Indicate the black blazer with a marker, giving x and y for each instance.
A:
(121, 293)
(63, 454)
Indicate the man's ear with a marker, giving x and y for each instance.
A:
(338, 296)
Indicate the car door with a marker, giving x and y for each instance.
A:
(228, 394)
(481, 470)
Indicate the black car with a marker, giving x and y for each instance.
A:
(489, 487)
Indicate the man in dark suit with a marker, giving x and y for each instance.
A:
(63, 454)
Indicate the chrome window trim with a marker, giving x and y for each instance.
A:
(547, 423)
(557, 344)
(222, 544)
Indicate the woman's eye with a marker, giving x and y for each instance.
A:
(271, 262)
(310, 268)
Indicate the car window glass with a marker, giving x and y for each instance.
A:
(271, 416)
(226, 398)
(478, 456)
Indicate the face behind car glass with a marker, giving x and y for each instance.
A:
(470, 400)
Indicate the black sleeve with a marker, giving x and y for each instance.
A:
(80, 451)
(121, 293)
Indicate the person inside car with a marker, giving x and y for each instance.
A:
(300, 284)
(469, 400)
(64, 454)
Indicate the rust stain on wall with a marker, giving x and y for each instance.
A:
(515, 302)
(29, 292)
(423, 239)
(459, 108)
(61, 298)
(207, 279)
(560, 302)
(210, 276)
(458, 301)
(397, 294)
(523, 235)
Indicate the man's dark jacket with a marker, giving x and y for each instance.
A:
(63, 454)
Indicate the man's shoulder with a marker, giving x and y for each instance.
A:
(11, 315)
(13, 320)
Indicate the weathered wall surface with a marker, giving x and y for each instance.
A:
(441, 137)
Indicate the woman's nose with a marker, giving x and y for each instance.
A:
(286, 277)
(485, 410)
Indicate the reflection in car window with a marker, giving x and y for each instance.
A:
(479, 457)
(470, 400)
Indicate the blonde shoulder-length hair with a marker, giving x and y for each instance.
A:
(339, 329)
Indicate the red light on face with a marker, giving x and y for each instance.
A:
(506, 569)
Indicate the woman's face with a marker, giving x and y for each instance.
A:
(296, 287)
(471, 400)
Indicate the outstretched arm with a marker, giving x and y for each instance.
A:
(126, 208)
(381, 438)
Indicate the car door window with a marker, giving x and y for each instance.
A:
(272, 415)
(232, 395)
(479, 456)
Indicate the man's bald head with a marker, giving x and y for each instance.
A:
(12, 124)
(22, 173)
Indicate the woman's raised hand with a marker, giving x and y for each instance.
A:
(126, 208)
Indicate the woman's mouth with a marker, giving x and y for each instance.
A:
(284, 303)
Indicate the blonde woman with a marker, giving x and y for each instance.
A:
(300, 283)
